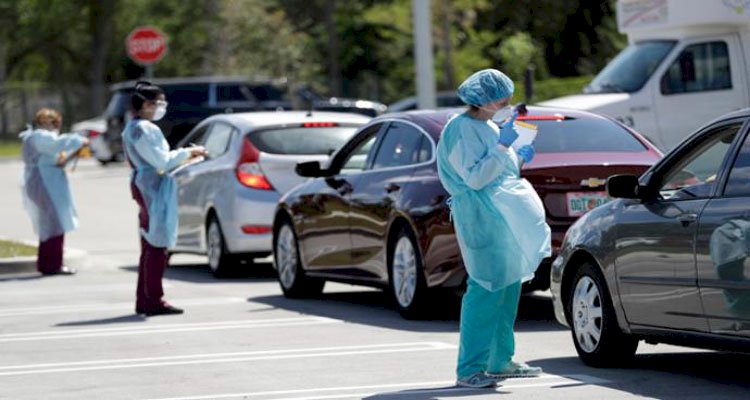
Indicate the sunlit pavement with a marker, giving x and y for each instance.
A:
(78, 337)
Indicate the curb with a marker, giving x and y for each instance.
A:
(15, 265)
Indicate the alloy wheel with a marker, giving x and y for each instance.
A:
(404, 272)
(215, 245)
(587, 314)
(286, 256)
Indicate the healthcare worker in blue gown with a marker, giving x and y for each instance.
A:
(155, 192)
(500, 226)
(46, 193)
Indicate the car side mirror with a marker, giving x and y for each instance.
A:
(624, 187)
(310, 169)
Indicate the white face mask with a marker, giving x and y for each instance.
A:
(161, 110)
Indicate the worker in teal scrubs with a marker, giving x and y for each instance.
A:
(500, 226)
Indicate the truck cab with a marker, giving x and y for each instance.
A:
(686, 63)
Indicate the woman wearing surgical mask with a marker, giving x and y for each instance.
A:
(46, 193)
(500, 226)
(155, 192)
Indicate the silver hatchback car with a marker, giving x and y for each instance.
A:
(226, 203)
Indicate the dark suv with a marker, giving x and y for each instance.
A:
(193, 99)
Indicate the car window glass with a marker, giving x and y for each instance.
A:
(186, 95)
(584, 135)
(231, 93)
(425, 150)
(217, 139)
(302, 140)
(266, 92)
(699, 67)
(197, 136)
(739, 176)
(399, 147)
(694, 176)
(356, 159)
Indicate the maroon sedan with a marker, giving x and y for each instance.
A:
(376, 214)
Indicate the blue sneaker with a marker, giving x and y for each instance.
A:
(478, 380)
(516, 370)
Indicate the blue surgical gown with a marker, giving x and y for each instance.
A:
(149, 154)
(46, 194)
(498, 217)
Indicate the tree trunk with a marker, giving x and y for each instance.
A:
(450, 75)
(334, 51)
(212, 21)
(101, 21)
(3, 112)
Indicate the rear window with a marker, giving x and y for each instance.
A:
(584, 135)
(324, 140)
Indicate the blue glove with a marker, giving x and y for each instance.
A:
(526, 153)
(508, 133)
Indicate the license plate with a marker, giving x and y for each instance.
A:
(580, 203)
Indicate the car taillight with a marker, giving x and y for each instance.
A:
(256, 229)
(93, 134)
(248, 170)
(319, 124)
(554, 117)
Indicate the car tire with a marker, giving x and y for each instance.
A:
(407, 284)
(290, 274)
(220, 260)
(597, 336)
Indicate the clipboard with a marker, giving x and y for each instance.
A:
(187, 163)
(526, 134)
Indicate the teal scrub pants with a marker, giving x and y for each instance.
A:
(487, 320)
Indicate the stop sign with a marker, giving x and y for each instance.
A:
(146, 45)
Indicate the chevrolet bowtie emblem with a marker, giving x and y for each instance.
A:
(593, 182)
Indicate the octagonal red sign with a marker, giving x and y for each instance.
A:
(146, 45)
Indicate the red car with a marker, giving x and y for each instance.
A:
(376, 214)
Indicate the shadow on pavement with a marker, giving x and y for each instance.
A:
(374, 307)
(435, 393)
(105, 321)
(201, 273)
(660, 376)
(23, 277)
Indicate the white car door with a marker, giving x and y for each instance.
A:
(704, 79)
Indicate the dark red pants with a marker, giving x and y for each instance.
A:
(153, 261)
(50, 255)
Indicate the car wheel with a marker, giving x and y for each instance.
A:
(292, 278)
(406, 273)
(219, 260)
(596, 334)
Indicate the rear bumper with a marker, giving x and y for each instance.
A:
(250, 207)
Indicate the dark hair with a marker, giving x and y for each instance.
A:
(144, 91)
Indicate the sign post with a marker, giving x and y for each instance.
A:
(146, 45)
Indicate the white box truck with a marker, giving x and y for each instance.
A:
(687, 61)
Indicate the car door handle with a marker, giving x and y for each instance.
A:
(392, 187)
(687, 218)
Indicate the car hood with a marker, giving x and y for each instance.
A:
(587, 102)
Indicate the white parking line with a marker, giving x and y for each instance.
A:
(415, 388)
(150, 329)
(213, 358)
(14, 312)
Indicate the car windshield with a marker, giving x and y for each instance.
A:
(318, 140)
(629, 71)
(581, 135)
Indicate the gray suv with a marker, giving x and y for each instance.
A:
(667, 261)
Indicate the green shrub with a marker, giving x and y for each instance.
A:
(555, 87)
(10, 148)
